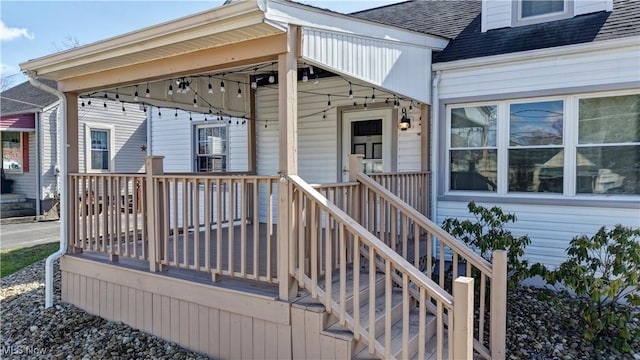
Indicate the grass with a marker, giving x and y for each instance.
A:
(16, 259)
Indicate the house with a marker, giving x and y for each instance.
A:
(539, 103)
(30, 144)
(291, 201)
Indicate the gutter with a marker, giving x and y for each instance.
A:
(38, 117)
(62, 143)
(435, 113)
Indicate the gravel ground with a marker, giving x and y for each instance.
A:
(28, 331)
(536, 330)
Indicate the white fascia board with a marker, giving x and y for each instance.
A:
(531, 55)
(306, 16)
(152, 36)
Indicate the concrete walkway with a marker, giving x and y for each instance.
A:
(28, 234)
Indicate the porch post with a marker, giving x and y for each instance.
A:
(288, 157)
(154, 166)
(463, 318)
(498, 305)
(72, 167)
(425, 154)
(355, 166)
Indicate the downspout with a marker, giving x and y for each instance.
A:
(62, 143)
(38, 172)
(435, 112)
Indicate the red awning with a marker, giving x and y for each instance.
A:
(23, 122)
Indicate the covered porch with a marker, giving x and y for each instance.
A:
(261, 250)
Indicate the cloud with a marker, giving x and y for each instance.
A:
(11, 33)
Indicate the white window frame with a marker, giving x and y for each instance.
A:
(196, 156)
(570, 146)
(112, 147)
(21, 169)
(518, 20)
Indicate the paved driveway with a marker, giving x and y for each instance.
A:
(24, 235)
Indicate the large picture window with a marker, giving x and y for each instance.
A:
(567, 146)
(12, 151)
(211, 148)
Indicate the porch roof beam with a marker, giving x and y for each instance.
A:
(213, 59)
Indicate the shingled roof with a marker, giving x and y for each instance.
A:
(624, 21)
(445, 18)
(460, 22)
(26, 98)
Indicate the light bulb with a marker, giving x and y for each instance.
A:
(305, 77)
(210, 89)
(254, 85)
(170, 92)
(222, 89)
(272, 78)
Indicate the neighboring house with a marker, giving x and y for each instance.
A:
(30, 147)
(251, 103)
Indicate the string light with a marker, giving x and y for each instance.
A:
(123, 109)
(222, 89)
(147, 94)
(254, 80)
(195, 100)
(190, 118)
(105, 95)
(105, 104)
(365, 103)
(373, 95)
(82, 103)
(176, 115)
(324, 115)
(210, 86)
(272, 77)
(135, 95)
(144, 108)
(117, 95)
(305, 76)
(350, 91)
(329, 102)
(411, 107)
(316, 81)
(170, 92)
(89, 102)
(239, 91)
(159, 113)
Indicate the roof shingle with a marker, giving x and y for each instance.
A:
(25, 97)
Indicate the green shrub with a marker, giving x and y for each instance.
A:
(603, 270)
(487, 233)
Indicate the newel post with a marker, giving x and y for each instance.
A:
(499, 304)
(355, 166)
(154, 166)
(463, 318)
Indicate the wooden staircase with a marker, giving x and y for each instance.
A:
(321, 336)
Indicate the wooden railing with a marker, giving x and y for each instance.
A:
(411, 187)
(222, 225)
(341, 194)
(334, 243)
(108, 212)
(410, 234)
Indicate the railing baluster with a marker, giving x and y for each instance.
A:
(405, 315)
(343, 273)
(314, 248)
(356, 287)
(256, 228)
(196, 224)
(329, 267)
(439, 329)
(219, 205)
(422, 324)
(230, 228)
(481, 308)
(388, 292)
(242, 195)
(207, 225)
(372, 299)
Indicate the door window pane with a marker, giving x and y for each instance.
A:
(536, 170)
(540, 7)
(536, 123)
(11, 150)
(474, 170)
(473, 126)
(607, 120)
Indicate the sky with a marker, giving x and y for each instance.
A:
(31, 29)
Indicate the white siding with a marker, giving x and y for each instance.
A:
(49, 152)
(549, 227)
(25, 182)
(317, 137)
(401, 68)
(590, 6)
(496, 14)
(597, 67)
(173, 137)
(130, 133)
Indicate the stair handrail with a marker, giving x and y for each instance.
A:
(365, 245)
(457, 245)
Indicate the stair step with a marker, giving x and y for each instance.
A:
(364, 288)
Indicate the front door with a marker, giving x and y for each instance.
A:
(367, 133)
